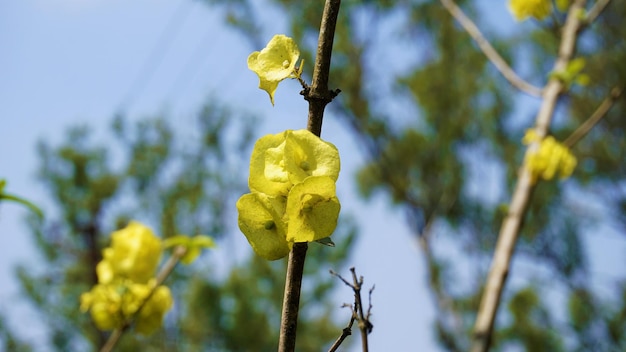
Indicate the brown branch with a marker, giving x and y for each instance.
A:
(597, 115)
(347, 331)
(489, 51)
(596, 10)
(165, 271)
(318, 96)
(363, 320)
(509, 231)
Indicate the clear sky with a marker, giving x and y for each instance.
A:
(68, 62)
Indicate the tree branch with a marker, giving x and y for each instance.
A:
(318, 96)
(511, 225)
(489, 51)
(365, 326)
(597, 115)
(596, 10)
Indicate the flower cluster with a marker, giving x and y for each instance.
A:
(293, 195)
(549, 158)
(522, 9)
(275, 62)
(126, 284)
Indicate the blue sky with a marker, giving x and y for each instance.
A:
(68, 62)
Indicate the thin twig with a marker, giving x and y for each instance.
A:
(165, 271)
(363, 320)
(318, 96)
(509, 231)
(347, 331)
(596, 10)
(597, 115)
(489, 50)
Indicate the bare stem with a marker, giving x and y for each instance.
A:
(511, 225)
(489, 50)
(165, 271)
(318, 96)
(597, 115)
(363, 319)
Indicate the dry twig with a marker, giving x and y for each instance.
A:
(363, 319)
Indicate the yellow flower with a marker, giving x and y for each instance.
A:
(261, 221)
(104, 302)
(523, 9)
(312, 209)
(113, 305)
(281, 160)
(134, 254)
(150, 317)
(274, 63)
(550, 158)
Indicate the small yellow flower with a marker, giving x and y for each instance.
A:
(522, 9)
(134, 254)
(549, 159)
(151, 316)
(274, 63)
(113, 305)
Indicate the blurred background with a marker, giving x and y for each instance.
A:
(116, 110)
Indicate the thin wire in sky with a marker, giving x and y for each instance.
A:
(161, 47)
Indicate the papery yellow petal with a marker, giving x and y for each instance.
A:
(274, 63)
(308, 155)
(267, 166)
(312, 209)
(261, 221)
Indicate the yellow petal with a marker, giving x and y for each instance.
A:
(312, 209)
(135, 252)
(274, 63)
(308, 155)
(150, 317)
(267, 166)
(261, 221)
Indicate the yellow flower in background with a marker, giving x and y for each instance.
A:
(150, 317)
(134, 254)
(312, 209)
(104, 302)
(274, 63)
(261, 221)
(522, 9)
(112, 305)
(549, 159)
